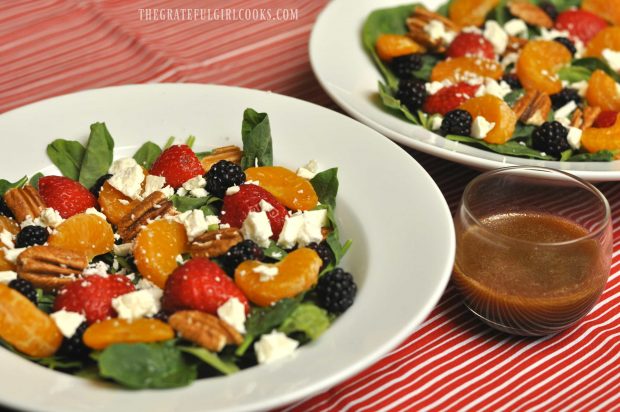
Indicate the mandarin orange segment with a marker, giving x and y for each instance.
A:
(83, 233)
(11, 226)
(291, 190)
(157, 247)
(594, 139)
(296, 273)
(114, 204)
(608, 38)
(470, 12)
(603, 92)
(494, 110)
(609, 10)
(539, 63)
(459, 68)
(389, 46)
(108, 332)
(23, 325)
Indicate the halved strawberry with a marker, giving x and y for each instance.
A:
(65, 195)
(449, 98)
(472, 45)
(177, 164)
(580, 24)
(605, 119)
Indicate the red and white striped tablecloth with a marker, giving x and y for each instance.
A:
(452, 362)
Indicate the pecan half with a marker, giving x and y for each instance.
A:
(417, 23)
(204, 329)
(24, 202)
(533, 108)
(49, 267)
(515, 44)
(585, 119)
(530, 13)
(230, 153)
(155, 205)
(215, 243)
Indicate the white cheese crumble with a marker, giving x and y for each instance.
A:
(121, 164)
(580, 86)
(563, 113)
(168, 191)
(266, 272)
(6, 238)
(11, 255)
(95, 212)
(574, 137)
(494, 88)
(508, 59)
(196, 222)
(303, 228)
(257, 228)
(7, 275)
(67, 322)
(274, 346)
(233, 313)
(613, 58)
(436, 121)
(196, 182)
(51, 218)
(97, 269)
(123, 249)
(471, 29)
(232, 190)
(309, 170)
(265, 206)
(437, 31)
(153, 184)
(516, 27)
(494, 33)
(199, 192)
(138, 304)
(481, 127)
(127, 177)
(434, 87)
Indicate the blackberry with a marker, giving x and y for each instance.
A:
(242, 251)
(566, 42)
(512, 80)
(550, 138)
(4, 209)
(566, 95)
(99, 184)
(404, 66)
(25, 288)
(74, 346)
(336, 291)
(456, 122)
(411, 93)
(324, 252)
(223, 175)
(549, 8)
(31, 235)
(161, 315)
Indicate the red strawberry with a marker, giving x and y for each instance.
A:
(237, 207)
(471, 44)
(201, 285)
(605, 119)
(449, 98)
(67, 196)
(93, 296)
(177, 164)
(580, 23)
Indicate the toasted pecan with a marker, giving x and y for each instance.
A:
(50, 267)
(204, 329)
(24, 202)
(154, 206)
(215, 243)
(530, 13)
(417, 23)
(231, 153)
(585, 119)
(533, 108)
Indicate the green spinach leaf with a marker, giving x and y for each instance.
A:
(147, 154)
(98, 155)
(67, 156)
(146, 365)
(512, 97)
(510, 148)
(211, 359)
(428, 62)
(325, 185)
(256, 136)
(5, 185)
(600, 156)
(185, 203)
(392, 102)
(307, 318)
(274, 252)
(34, 180)
(574, 74)
(594, 63)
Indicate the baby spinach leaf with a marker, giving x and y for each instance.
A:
(600, 156)
(565, 155)
(523, 131)
(512, 97)
(67, 156)
(98, 155)
(500, 14)
(190, 141)
(388, 99)
(211, 359)
(573, 74)
(444, 8)
(256, 136)
(333, 238)
(185, 203)
(428, 62)
(325, 185)
(5, 185)
(147, 154)
(146, 365)
(274, 252)
(264, 320)
(34, 180)
(307, 318)
(562, 5)
(510, 148)
(385, 21)
(594, 63)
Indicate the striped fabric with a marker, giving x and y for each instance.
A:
(452, 362)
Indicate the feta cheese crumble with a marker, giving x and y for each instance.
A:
(196, 222)
(494, 33)
(516, 27)
(436, 121)
(95, 212)
(563, 113)
(574, 137)
(127, 177)
(11, 255)
(123, 249)
(232, 190)
(494, 88)
(580, 86)
(138, 304)
(481, 127)
(153, 184)
(233, 313)
(309, 170)
(6, 238)
(51, 218)
(274, 346)
(613, 58)
(266, 272)
(67, 322)
(436, 30)
(257, 228)
(303, 228)
(96, 269)
(7, 275)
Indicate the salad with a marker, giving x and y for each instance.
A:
(534, 79)
(172, 265)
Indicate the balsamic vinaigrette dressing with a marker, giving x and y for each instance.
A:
(537, 288)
